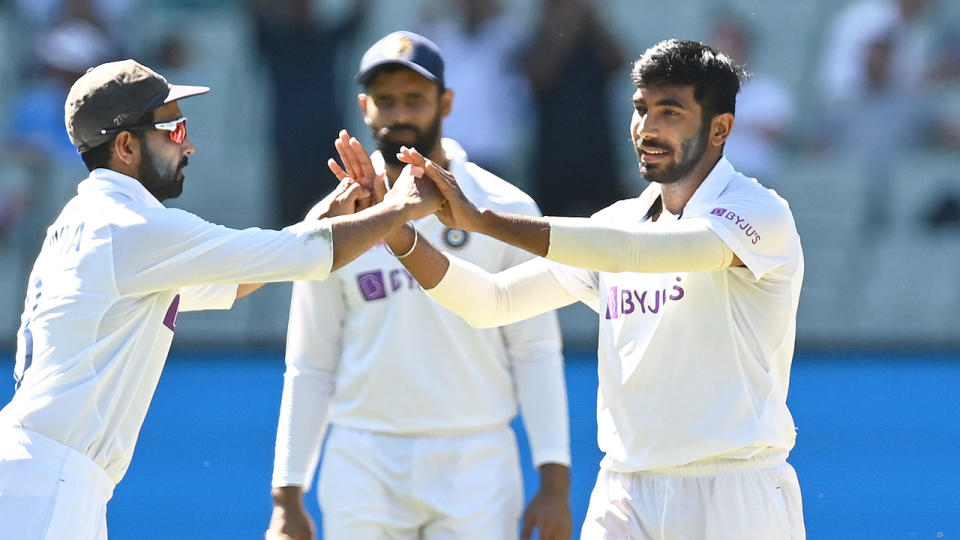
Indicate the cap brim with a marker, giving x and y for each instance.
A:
(364, 76)
(180, 91)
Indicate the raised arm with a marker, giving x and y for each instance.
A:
(682, 246)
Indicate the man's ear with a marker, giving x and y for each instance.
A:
(126, 149)
(362, 101)
(446, 102)
(720, 128)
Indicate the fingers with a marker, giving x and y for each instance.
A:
(336, 169)
(443, 179)
(528, 524)
(363, 159)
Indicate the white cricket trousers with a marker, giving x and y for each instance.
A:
(374, 485)
(754, 499)
(49, 491)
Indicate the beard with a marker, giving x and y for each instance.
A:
(162, 179)
(424, 140)
(691, 150)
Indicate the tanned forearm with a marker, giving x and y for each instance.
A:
(425, 263)
(526, 232)
(355, 234)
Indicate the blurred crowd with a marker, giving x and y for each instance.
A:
(541, 95)
(532, 94)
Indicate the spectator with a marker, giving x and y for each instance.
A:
(843, 68)
(492, 96)
(34, 132)
(571, 58)
(765, 107)
(307, 108)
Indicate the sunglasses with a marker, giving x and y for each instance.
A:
(177, 129)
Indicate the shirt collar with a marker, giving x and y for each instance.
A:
(712, 186)
(708, 191)
(111, 182)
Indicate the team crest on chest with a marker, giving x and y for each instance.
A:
(455, 238)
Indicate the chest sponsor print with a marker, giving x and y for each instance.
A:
(375, 285)
(625, 301)
(748, 229)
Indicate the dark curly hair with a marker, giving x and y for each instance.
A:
(714, 76)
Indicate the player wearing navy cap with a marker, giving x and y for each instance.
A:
(419, 444)
(114, 271)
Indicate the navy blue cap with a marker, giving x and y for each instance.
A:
(406, 49)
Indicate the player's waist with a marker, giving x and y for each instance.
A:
(747, 458)
(407, 427)
(42, 447)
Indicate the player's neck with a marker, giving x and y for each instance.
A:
(677, 194)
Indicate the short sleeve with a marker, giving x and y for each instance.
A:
(760, 232)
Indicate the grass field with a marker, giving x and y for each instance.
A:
(877, 449)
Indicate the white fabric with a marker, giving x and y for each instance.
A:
(723, 500)
(102, 302)
(371, 347)
(692, 366)
(462, 487)
(49, 491)
(652, 247)
(512, 295)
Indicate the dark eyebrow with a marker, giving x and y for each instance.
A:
(670, 102)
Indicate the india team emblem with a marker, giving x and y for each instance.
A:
(455, 238)
(396, 46)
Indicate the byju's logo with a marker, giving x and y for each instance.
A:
(371, 285)
(744, 225)
(622, 302)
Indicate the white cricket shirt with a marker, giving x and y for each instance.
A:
(101, 308)
(370, 345)
(694, 366)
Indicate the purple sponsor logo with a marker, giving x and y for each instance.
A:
(371, 285)
(170, 319)
(622, 302)
(740, 222)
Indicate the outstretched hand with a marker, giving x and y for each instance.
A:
(358, 167)
(457, 211)
(347, 198)
(414, 191)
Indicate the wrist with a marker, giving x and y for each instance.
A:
(554, 478)
(287, 496)
(402, 241)
(485, 221)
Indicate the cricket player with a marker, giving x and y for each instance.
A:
(696, 284)
(418, 402)
(103, 297)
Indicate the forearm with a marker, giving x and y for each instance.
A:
(682, 246)
(425, 263)
(531, 233)
(355, 234)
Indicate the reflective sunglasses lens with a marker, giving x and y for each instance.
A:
(180, 133)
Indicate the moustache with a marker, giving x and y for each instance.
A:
(183, 162)
(386, 130)
(656, 145)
